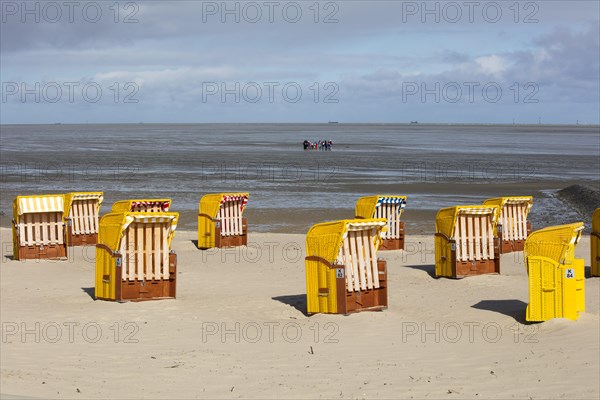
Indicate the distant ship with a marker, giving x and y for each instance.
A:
(333, 122)
(414, 122)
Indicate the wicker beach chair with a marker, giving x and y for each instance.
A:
(82, 214)
(556, 277)
(343, 274)
(464, 241)
(221, 222)
(133, 257)
(39, 227)
(389, 207)
(512, 228)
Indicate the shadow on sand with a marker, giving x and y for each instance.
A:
(90, 291)
(512, 308)
(298, 301)
(429, 269)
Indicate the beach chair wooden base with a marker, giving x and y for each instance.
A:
(463, 269)
(89, 239)
(394, 244)
(147, 290)
(510, 246)
(363, 300)
(232, 240)
(137, 290)
(37, 252)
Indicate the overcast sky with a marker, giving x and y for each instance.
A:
(303, 61)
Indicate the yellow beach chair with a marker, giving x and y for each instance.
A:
(512, 228)
(388, 207)
(595, 244)
(465, 242)
(133, 257)
(82, 214)
(556, 277)
(221, 222)
(343, 274)
(39, 227)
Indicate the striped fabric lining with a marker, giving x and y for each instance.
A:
(482, 210)
(243, 199)
(360, 226)
(89, 196)
(40, 204)
(518, 200)
(392, 200)
(164, 205)
(147, 220)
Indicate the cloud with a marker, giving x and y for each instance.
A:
(563, 61)
(371, 52)
(492, 64)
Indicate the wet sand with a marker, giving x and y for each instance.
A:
(290, 189)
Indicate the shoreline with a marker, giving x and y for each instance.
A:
(548, 209)
(337, 123)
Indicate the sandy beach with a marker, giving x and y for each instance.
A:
(238, 329)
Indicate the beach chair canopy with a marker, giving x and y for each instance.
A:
(142, 205)
(512, 215)
(366, 207)
(502, 201)
(446, 218)
(383, 206)
(349, 243)
(75, 196)
(46, 203)
(555, 242)
(210, 204)
(114, 224)
(83, 210)
(325, 240)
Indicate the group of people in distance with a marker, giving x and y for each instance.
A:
(318, 145)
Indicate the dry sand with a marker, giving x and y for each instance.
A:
(440, 338)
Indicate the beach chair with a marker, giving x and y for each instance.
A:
(512, 228)
(38, 227)
(556, 277)
(464, 241)
(133, 257)
(595, 244)
(142, 205)
(220, 220)
(390, 208)
(82, 213)
(343, 274)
